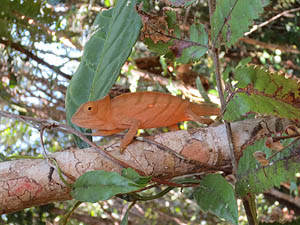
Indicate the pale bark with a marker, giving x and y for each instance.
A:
(25, 183)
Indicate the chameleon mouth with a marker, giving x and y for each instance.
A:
(85, 121)
(81, 122)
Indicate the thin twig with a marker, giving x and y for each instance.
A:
(28, 53)
(42, 142)
(172, 37)
(179, 39)
(44, 123)
(256, 27)
(167, 149)
(290, 144)
(215, 57)
(275, 139)
(226, 19)
(171, 151)
(159, 145)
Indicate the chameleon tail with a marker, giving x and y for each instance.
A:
(205, 109)
(197, 111)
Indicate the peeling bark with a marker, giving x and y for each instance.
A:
(25, 183)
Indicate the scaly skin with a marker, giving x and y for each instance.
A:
(139, 110)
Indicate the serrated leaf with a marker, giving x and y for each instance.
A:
(217, 196)
(101, 185)
(196, 48)
(114, 33)
(252, 178)
(172, 22)
(265, 93)
(134, 176)
(237, 16)
(160, 47)
(191, 49)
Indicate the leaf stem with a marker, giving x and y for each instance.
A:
(152, 197)
(225, 21)
(215, 56)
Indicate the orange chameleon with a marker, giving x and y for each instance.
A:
(139, 110)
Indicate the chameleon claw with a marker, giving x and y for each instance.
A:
(122, 150)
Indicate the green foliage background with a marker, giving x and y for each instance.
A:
(41, 51)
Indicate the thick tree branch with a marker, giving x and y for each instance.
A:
(25, 183)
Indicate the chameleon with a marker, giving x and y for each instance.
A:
(139, 110)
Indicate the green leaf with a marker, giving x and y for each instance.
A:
(114, 33)
(160, 47)
(252, 178)
(101, 185)
(125, 218)
(265, 93)
(196, 49)
(191, 49)
(180, 3)
(202, 90)
(135, 177)
(186, 180)
(217, 196)
(265, 2)
(232, 19)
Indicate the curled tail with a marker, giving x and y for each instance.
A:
(197, 111)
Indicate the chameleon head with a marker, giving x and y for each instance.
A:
(85, 115)
(92, 114)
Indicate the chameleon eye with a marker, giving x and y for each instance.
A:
(90, 108)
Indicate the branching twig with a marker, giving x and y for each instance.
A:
(290, 144)
(225, 21)
(39, 124)
(22, 49)
(186, 41)
(256, 27)
(167, 149)
(285, 137)
(42, 142)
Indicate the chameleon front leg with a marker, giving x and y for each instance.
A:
(133, 128)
